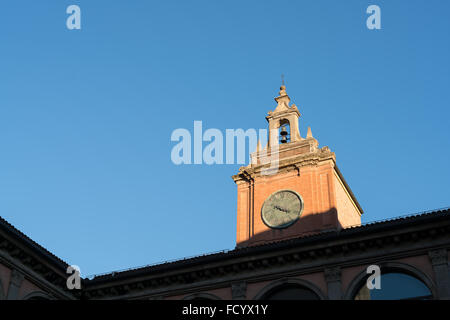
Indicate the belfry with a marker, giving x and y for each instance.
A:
(292, 187)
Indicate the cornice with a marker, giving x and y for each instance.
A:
(282, 113)
(21, 256)
(286, 165)
(35, 273)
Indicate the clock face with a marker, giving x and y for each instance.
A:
(282, 209)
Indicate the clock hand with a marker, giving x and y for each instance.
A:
(280, 209)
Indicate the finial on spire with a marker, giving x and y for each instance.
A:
(309, 133)
(283, 99)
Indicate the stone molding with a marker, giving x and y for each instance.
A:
(239, 290)
(438, 257)
(332, 274)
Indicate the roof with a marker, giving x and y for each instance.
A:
(19, 236)
(398, 222)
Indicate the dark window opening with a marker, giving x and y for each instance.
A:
(395, 286)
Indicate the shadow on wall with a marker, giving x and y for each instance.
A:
(306, 225)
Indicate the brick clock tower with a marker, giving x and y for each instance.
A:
(291, 188)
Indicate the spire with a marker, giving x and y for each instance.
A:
(309, 133)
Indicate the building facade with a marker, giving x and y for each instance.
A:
(299, 236)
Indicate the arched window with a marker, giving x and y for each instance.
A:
(290, 292)
(395, 286)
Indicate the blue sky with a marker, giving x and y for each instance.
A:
(86, 115)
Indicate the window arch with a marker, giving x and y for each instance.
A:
(201, 296)
(398, 282)
(291, 289)
(37, 295)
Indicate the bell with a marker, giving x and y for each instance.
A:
(283, 134)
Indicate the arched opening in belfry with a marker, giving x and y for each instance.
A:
(284, 132)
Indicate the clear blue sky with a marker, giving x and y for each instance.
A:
(86, 116)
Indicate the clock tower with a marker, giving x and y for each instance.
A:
(291, 188)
